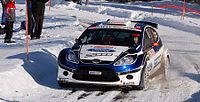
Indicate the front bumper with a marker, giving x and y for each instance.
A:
(123, 80)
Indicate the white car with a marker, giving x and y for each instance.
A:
(123, 53)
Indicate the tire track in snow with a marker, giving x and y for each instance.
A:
(101, 93)
(197, 68)
(122, 94)
(83, 95)
(73, 91)
(104, 90)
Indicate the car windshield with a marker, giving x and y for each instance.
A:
(117, 37)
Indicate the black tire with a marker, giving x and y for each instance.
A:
(165, 66)
(144, 81)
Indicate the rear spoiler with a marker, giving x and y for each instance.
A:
(155, 25)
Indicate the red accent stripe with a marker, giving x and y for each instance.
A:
(93, 27)
(136, 35)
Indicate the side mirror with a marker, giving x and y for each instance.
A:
(155, 44)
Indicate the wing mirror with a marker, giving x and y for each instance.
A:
(155, 44)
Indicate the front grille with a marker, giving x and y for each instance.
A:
(107, 74)
(90, 62)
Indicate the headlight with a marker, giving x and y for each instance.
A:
(71, 57)
(126, 60)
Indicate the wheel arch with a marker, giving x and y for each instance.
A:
(167, 55)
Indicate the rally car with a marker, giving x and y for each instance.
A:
(114, 52)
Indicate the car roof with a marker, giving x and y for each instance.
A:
(122, 24)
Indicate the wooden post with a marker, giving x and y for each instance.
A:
(27, 50)
(49, 3)
(183, 10)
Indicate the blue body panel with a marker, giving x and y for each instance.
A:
(72, 66)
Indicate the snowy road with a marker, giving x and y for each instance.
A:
(35, 80)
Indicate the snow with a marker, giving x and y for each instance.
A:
(35, 80)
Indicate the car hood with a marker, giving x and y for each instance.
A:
(101, 52)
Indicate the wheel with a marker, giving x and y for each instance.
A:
(144, 81)
(165, 66)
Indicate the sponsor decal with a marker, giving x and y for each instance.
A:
(94, 73)
(98, 54)
(104, 26)
(157, 60)
(110, 26)
(151, 53)
(101, 49)
(103, 46)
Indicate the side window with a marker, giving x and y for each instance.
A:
(87, 36)
(147, 42)
(154, 35)
(84, 40)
